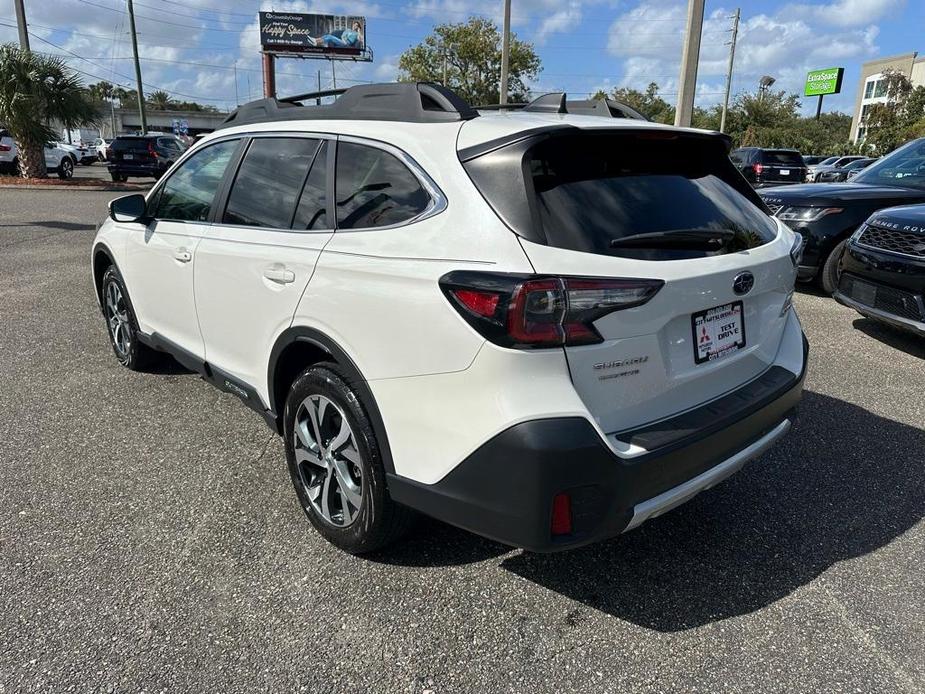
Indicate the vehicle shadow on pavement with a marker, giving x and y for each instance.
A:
(844, 483)
(897, 339)
(433, 543)
(55, 224)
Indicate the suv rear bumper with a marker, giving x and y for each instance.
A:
(137, 169)
(505, 489)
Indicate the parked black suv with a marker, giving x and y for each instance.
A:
(142, 155)
(769, 167)
(826, 214)
(883, 268)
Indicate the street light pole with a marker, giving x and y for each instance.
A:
(689, 59)
(21, 24)
(141, 94)
(732, 57)
(505, 52)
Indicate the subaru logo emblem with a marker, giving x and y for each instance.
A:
(743, 283)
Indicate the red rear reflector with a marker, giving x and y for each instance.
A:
(482, 303)
(759, 168)
(562, 514)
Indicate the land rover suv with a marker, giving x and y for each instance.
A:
(542, 327)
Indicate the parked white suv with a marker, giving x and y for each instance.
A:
(545, 328)
(56, 159)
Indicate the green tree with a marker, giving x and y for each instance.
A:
(34, 90)
(471, 52)
(648, 103)
(160, 100)
(100, 91)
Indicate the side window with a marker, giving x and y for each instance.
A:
(167, 143)
(374, 188)
(187, 195)
(268, 183)
(312, 212)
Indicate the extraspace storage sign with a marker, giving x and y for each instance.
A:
(823, 82)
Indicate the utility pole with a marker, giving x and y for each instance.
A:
(505, 52)
(689, 59)
(21, 24)
(141, 93)
(732, 57)
(237, 101)
(318, 100)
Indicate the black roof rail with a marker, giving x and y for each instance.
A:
(557, 102)
(413, 102)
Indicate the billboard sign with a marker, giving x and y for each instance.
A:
(822, 82)
(325, 34)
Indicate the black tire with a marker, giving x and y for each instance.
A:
(128, 350)
(118, 178)
(66, 169)
(829, 274)
(379, 521)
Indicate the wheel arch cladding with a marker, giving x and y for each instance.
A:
(298, 348)
(102, 259)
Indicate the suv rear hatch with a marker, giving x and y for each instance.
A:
(132, 150)
(781, 165)
(656, 205)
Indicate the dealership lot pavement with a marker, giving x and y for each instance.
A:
(150, 539)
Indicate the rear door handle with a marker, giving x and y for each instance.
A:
(279, 274)
(183, 255)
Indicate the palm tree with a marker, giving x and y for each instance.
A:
(35, 90)
(159, 100)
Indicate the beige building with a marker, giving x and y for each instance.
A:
(872, 88)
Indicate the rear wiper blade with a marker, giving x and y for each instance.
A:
(683, 239)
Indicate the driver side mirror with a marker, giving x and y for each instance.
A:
(128, 208)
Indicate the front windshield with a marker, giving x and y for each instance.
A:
(830, 160)
(903, 168)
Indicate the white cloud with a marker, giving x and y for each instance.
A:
(563, 20)
(844, 13)
(786, 44)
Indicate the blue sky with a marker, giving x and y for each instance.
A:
(191, 47)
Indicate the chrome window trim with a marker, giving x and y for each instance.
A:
(438, 201)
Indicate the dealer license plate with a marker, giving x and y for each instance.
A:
(718, 331)
(785, 172)
(128, 156)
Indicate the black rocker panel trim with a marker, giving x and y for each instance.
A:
(356, 380)
(212, 375)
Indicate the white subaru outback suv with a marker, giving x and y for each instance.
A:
(539, 326)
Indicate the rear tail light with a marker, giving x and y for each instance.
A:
(151, 150)
(529, 312)
(759, 168)
(5, 148)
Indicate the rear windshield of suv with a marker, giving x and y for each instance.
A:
(588, 189)
(783, 158)
(131, 144)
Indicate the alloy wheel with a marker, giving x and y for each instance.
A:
(117, 320)
(328, 460)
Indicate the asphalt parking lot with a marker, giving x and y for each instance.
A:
(150, 539)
